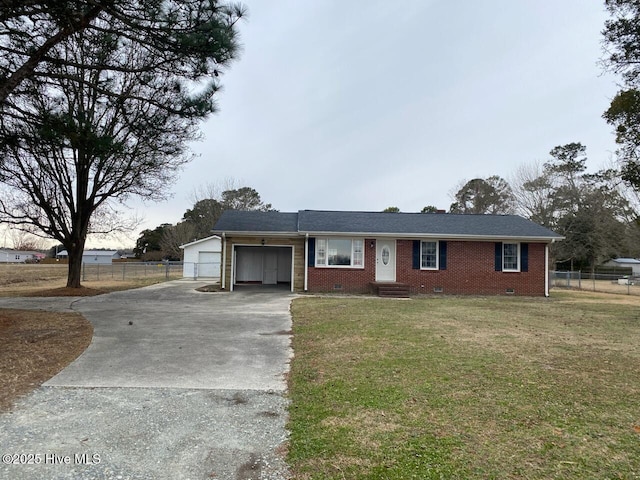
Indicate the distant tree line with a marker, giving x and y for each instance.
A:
(163, 242)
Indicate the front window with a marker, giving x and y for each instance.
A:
(339, 252)
(510, 257)
(429, 256)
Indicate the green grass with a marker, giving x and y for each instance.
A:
(466, 388)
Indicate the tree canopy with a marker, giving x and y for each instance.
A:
(622, 56)
(180, 35)
(491, 195)
(587, 209)
(107, 111)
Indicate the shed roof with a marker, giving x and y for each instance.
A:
(318, 222)
(108, 253)
(626, 260)
(195, 242)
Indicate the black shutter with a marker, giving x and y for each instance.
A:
(311, 261)
(416, 254)
(498, 256)
(443, 256)
(524, 257)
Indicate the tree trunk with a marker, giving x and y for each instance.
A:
(74, 276)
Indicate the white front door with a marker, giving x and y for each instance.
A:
(385, 260)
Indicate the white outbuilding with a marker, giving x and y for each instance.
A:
(96, 257)
(632, 263)
(8, 255)
(202, 258)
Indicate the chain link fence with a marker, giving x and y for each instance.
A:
(130, 270)
(201, 270)
(596, 282)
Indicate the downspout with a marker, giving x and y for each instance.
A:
(546, 269)
(224, 260)
(306, 262)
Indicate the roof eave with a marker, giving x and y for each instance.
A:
(199, 241)
(253, 233)
(439, 236)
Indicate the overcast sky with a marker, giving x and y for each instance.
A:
(361, 105)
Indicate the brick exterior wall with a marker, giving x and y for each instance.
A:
(470, 271)
(348, 280)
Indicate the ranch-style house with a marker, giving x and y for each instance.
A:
(411, 253)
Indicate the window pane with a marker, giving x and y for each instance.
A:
(429, 254)
(339, 252)
(358, 247)
(510, 256)
(321, 251)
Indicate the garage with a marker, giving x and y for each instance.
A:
(263, 265)
(202, 258)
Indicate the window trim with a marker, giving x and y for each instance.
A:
(437, 242)
(326, 240)
(518, 257)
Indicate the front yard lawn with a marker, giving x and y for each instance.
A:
(466, 388)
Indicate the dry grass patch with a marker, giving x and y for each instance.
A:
(36, 346)
(49, 280)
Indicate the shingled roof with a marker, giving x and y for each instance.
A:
(316, 222)
(252, 221)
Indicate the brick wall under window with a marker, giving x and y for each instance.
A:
(348, 280)
(471, 270)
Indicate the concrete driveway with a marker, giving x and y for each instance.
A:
(175, 384)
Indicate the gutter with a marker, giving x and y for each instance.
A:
(546, 270)
(306, 262)
(438, 236)
(224, 261)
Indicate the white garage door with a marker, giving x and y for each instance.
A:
(209, 264)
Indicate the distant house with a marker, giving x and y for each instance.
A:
(322, 251)
(202, 258)
(632, 263)
(96, 257)
(8, 255)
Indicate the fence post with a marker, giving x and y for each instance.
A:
(84, 275)
(166, 271)
(123, 268)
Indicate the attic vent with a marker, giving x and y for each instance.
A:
(438, 289)
(510, 291)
